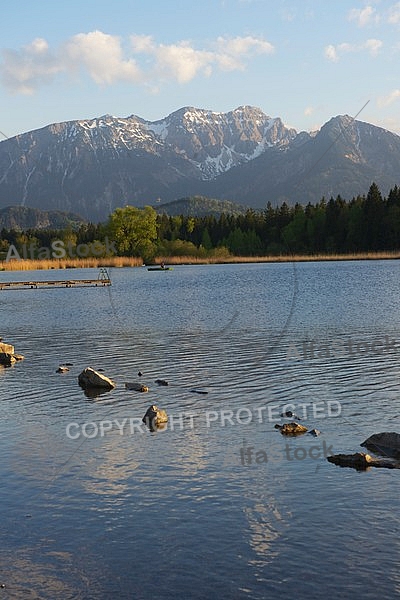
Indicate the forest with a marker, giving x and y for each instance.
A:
(368, 223)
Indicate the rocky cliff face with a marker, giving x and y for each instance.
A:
(216, 142)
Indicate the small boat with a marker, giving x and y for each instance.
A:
(159, 268)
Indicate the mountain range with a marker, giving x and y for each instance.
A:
(91, 167)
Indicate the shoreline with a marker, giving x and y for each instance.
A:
(120, 261)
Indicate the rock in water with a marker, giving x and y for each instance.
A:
(290, 415)
(7, 354)
(314, 432)
(154, 416)
(89, 378)
(161, 382)
(385, 444)
(361, 461)
(138, 387)
(291, 428)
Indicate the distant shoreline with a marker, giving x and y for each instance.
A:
(121, 261)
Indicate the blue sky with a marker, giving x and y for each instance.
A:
(302, 61)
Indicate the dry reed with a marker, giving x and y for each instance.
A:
(70, 263)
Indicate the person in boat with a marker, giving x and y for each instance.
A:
(162, 265)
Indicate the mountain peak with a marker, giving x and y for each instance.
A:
(92, 166)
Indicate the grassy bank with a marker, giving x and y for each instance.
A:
(121, 261)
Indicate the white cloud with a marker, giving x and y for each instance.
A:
(179, 62)
(373, 46)
(334, 53)
(230, 54)
(103, 58)
(389, 99)
(369, 16)
(393, 14)
(308, 111)
(26, 69)
(331, 53)
(364, 16)
(182, 62)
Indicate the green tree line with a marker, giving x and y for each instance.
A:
(368, 223)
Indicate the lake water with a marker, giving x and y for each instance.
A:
(218, 504)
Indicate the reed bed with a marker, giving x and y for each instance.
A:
(71, 263)
(125, 261)
(193, 260)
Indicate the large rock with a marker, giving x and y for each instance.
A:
(385, 444)
(7, 354)
(89, 378)
(155, 417)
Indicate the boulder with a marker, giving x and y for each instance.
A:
(138, 387)
(291, 428)
(89, 378)
(7, 359)
(62, 369)
(155, 416)
(7, 354)
(361, 461)
(385, 444)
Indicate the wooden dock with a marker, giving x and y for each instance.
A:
(102, 281)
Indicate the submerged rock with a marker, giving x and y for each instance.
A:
(89, 378)
(361, 461)
(161, 382)
(62, 369)
(314, 432)
(290, 415)
(385, 444)
(138, 387)
(291, 428)
(155, 416)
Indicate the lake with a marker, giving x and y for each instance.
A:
(218, 504)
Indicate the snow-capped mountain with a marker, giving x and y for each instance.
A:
(215, 142)
(90, 167)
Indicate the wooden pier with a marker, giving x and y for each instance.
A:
(102, 281)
